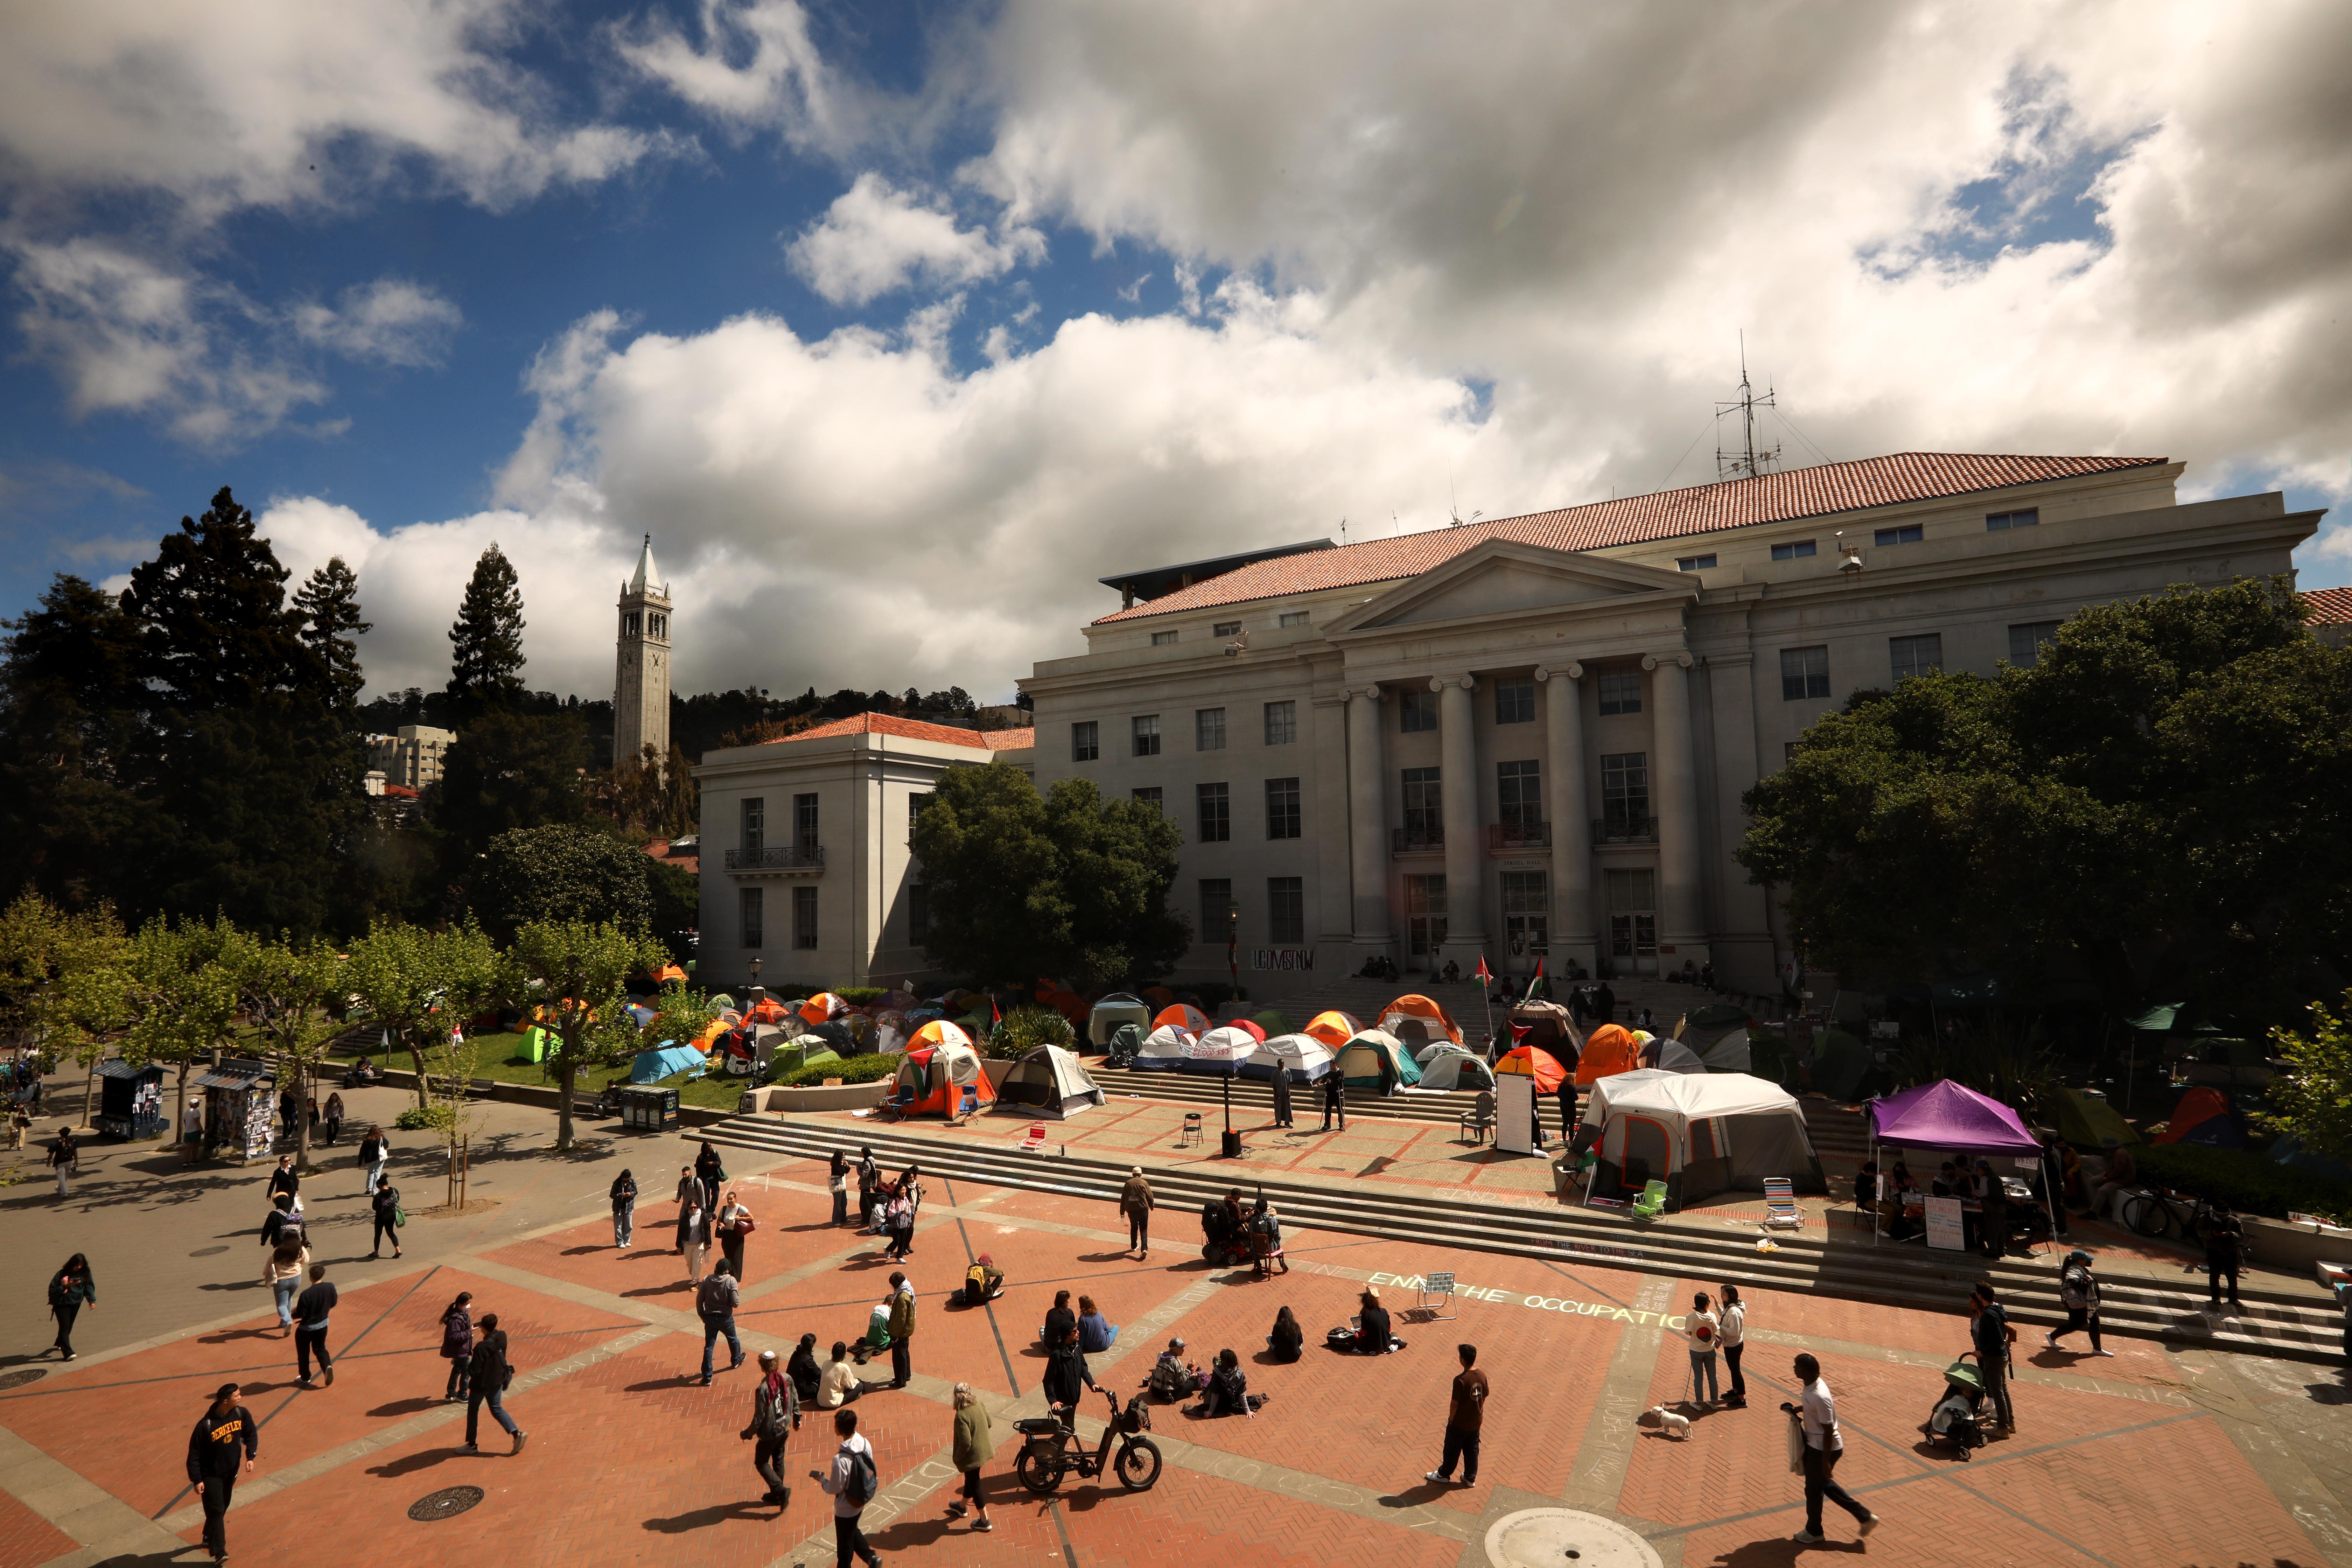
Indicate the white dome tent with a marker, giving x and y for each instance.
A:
(1700, 1133)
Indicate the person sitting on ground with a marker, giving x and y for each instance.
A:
(983, 1281)
(877, 1337)
(1287, 1340)
(1173, 1378)
(1451, 973)
(1228, 1391)
(808, 1378)
(1371, 1324)
(1059, 1320)
(1096, 1332)
(840, 1383)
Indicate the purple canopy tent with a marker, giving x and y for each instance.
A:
(1947, 1115)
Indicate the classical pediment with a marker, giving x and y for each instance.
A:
(1501, 577)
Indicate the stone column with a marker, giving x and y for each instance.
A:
(1673, 783)
(1741, 941)
(1368, 819)
(1465, 846)
(1567, 799)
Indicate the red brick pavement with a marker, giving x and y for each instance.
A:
(25, 1538)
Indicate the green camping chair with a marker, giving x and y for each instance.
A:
(1651, 1203)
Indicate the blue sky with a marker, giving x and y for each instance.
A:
(897, 325)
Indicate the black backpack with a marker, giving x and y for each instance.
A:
(863, 1480)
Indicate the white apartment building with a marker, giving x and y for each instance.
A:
(1529, 738)
(411, 755)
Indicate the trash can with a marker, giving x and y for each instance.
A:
(648, 1108)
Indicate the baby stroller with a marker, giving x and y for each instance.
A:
(1957, 1416)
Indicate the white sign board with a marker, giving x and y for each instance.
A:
(1515, 1113)
(1944, 1224)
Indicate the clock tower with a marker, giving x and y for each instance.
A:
(641, 673)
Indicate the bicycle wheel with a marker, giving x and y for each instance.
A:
(2148, 1214)
(1038, 1474)
(1138, 1465)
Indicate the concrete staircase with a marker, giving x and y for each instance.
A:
(2279, 1323)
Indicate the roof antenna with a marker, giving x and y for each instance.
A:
(1745, 462)
(1343, 532)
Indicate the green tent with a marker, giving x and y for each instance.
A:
(2084, 1120)
(1272, 1022)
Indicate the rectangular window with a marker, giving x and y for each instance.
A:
(916, 801)
(1799, 550)
(1425, 809)
(1144, 730)
(1226, 629)
(805, 917)
(1425, 915)
(1150, 797)
(755, 824)
(1998, 521)
(1285, 909)
(1416, 710)
(1694, 562)
(918, 914)
(1625, 794)
(1514, 702)
(2026, 642)
(1162, 639)
(1519, 792)
(1208, 729)
(1216, 810)
(1216, 908)
(1789, 752)
(1282, 808)
(1527, 913)
(1621, 691)
(754, 905)
(1281, 723)
(804, 821)
(1909, 533)
(1292, 618)
(1086, 741)
(1804, 673)
(1915, 656)
(1632, 913)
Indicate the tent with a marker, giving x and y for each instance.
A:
(933, 1075)
(1946, 1116)
(2088, 1120)
(1700, 1133)
(823, 1008)
(1273, 1021)
(1840, 1060)
(1305, 1057)
(1157, 995)
(652, 1066)
(1249, 1026)
(1676, 1057)
(1608, 1050)
(767, 1010)
(1527, 1062)
(1112, 1011)
(1729, 1054)
(1184, 1015)
(1164, 1048)
(1050, 1079)
(938, 1032)
(1220, 1052)
(1450, 1066)
(1377, 1059)
(1415, 1017)
(1334, 1028)
(2205, 1116)
(669, 973)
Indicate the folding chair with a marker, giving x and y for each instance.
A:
(968, 1107)
(1191, 1133)
(1651, 1203)
(1036, 1139)
(1780, 1209)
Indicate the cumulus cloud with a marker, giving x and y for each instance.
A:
(751, 65)
(875, 239)
(389, 321)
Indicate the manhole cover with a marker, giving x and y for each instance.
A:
(1559, 1537)
(22, 1375)
(207, 1251)
(451, 1501)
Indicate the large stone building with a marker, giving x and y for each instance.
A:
(641, 672)
(411, 757)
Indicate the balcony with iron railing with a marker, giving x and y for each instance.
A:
(1518, 835)
(1413, 841)
(778, 857)
(1626, 828)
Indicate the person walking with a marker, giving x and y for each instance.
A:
(1700, 1327)
(311, 1310)
(228, 1440)
(715, 1300)
(710, 1171)
(2225, 1244)
(1991, 1333)
(623, 1194)
(693, 1234)
(2078, 1292)
(909, 1196)
(71, 1289)
(1733, 1337)
(284, 1179)
(869, 1187)
(689, 1196)
(375, 1154)
(902, 1328)
(1335, 1100)
(282, 1269)
(775, 1415)
(1465, 1412)
(1817, 1414)
(388, 1215)
(975, 1444)
(334, 1117)
(837, 1184)
(851, 1484)
(1281, 1095)
(64, 1159)
(1135, 1203)
(486, 1379)
(458, 1344)
(734, 1223)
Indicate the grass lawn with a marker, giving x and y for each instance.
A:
(501, 1058)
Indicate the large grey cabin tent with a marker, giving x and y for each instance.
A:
(1048, 1080)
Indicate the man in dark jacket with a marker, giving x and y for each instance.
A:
(488, 1380)
(1335, 1100)
(225, 1435)
(1989, 1328)
(715, 1300)
(312, 1308)
(1604, 1005)
(282, 1219)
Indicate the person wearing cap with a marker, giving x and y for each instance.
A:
(775, 1414)
(1135, 1203)
(226, 1435)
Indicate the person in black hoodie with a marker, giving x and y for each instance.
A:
(488, 1378)
(804, 1372)
(1371, 1324)
(1287, 1338)
(225, 1435)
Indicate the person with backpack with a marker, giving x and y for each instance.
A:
(486, 1381)
(851, 1484)
(623, 1196)
(2225, 1245)
(975, 1444)
(1990, 1333)
(226, 1438)
(389, 1217)
(2079, 1294)
(71, 1289)
(1135, 1203)
(690, 1200)
(715, 1300)
(837, 1182)
(312, 1309)
(281, 1222)
(1733, 1337)
(458, 1344)
(869, 1187)
(983, 1282)
(775, 1415)
(282, 1271)
(902, 1330)
(1700, 1327)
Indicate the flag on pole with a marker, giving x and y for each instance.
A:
(1538, 983)
(994, 1017)
(1484, 974)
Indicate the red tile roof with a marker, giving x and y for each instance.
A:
(871, 723)
(1664, 514)
(661, 850)
(2326, 606)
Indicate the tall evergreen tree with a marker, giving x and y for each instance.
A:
(329, 606)
(69, 693)
(214, 630)
(485, 641)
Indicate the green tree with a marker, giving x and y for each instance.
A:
(572, 975)
(1064, 883)
(485, 641)
(179, 997)
(2159, 804)
(506, 771)
(329, 611)
(64, 979)
(290, 990)
(418, 984)
(561, 872)
(2313, 1100)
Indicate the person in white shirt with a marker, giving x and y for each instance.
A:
(840, 1383)
(1733, 1338)
(1700, 1327)
(1824, 1445)
(849, 1541)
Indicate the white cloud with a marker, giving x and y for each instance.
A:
(753, 66)
(389, 321)
(875, 239)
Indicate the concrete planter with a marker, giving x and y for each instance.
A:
(548, 1097)
(841, 1097)
(2297, 1248)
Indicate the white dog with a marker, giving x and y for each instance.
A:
(1664, 1420)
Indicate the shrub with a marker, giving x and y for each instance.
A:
(861, 995)
(848, 1069)
(2246, 1181)
(1026, 1028)
(415, 1119)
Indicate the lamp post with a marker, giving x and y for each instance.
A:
(1230, 1146)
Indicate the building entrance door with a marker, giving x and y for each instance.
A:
(1633, 922)
(1424, 919)
(1526, 921)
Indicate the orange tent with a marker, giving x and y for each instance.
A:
(1159, 993)
(937, 1069)
(1609, 1049)
(1525, 1061)
(1436, 1022)
(1185, 1016)
(767, 1010)
(668, 973)
(823, 1008)
(1334, 1028)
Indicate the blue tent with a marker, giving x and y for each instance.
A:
(652, 1066)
